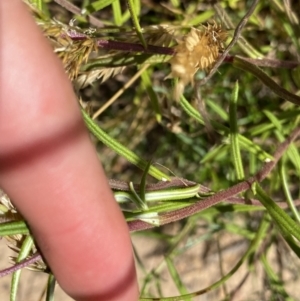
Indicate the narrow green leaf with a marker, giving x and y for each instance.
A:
(117, 13)
(152, 95)
(97, 5)
(275, 121)
(234, 141)
(292, 152)
(176, 277)
(50, 287)
(12, 228)
(126, 16)
(238, 230)
(121, 149)
(137, 6)
(276, 284)
(41, 7)
(192, 112)
(214, 153)
(283, 176)
(139, 202)
(144, 180)
(24, 252)
(261, 129)
(244, 142)
(266, 80)
(135, 21)
(175, 3)
(38, 4)
(217, 108)
(253, 148)
(203, 17)
(286, 224)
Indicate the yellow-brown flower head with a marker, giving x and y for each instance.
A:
(198, 50)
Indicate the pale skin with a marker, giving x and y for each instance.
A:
(51, 171)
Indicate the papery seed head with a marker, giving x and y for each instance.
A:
(198, 50)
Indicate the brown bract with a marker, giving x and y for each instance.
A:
(198, 50)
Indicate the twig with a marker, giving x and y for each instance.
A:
(119, 93)
(266, 80)
(265, 62)
(22, 264)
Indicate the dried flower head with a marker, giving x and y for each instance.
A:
(8, 212)
(198, 50)
(72, 51)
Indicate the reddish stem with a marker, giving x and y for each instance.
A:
(153, 49)
(22, 264)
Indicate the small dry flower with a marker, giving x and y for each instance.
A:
(72, 51)
(198, 50)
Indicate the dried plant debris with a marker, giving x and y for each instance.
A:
(8, 212)
(198, 50)
(101, 74)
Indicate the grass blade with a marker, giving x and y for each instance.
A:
(176, 278)
(24, 252)
(266, 80)
(50, 287)
(152, 95)
(132, 8)
(12, 228)
(234, 141)
(117, 13)
(286, 224)
(121, 149)
(97, 5)
(283, 176)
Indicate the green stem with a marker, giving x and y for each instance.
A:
(265, 79)
(287, 191)
(234, 139)
(50, 287)
(136, 23)
(24, 252)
